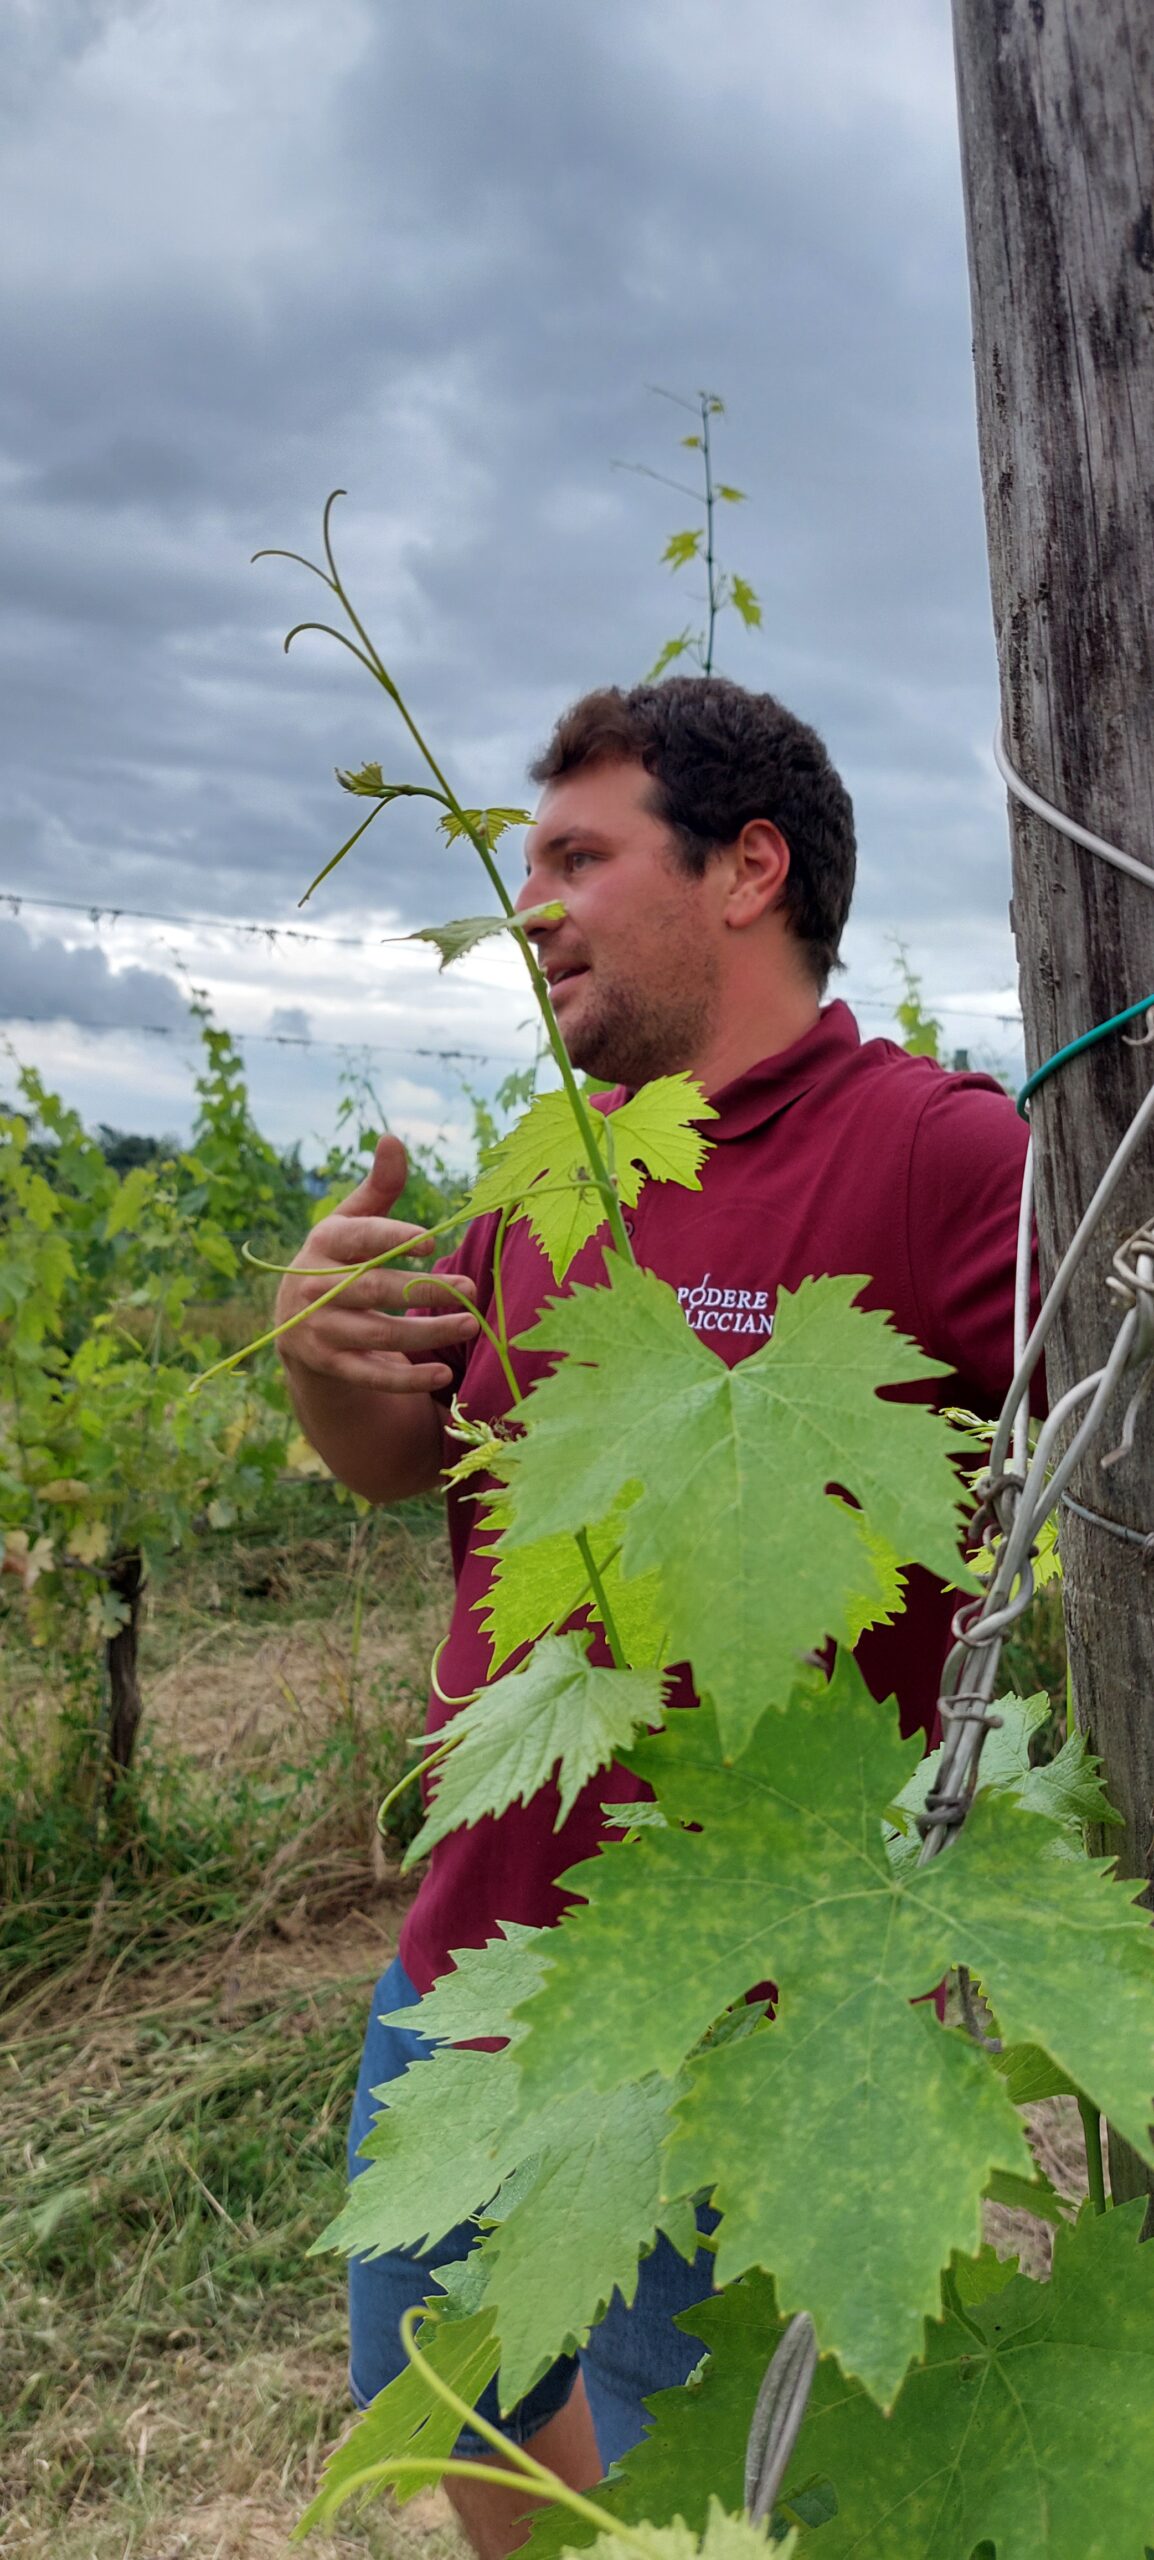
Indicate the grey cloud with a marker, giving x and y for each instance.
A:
(444, 270)
(44, 979)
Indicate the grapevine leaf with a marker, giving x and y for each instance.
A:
(560, 1713)
(487, 1983)
(368, 783)
(418, 2186)
(775, 1864)
(540, 1172)
(1063, 1953)
(407, 2417)
(577, 2227)
(733, 497)
(544, 1584)
(1030, 2075)
(757, 1563)
(1037, 2195)
(1025, 2429)
(489, 824)
(864, 2259)
(675, 648)
(1066, 1789)
(745, 602)
(726, 2537)
(697, 2446)
(681, 548)
(783, 1876)
(465, 932)
(656, 1134)
(575, 2193)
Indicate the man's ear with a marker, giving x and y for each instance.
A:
(760, 869)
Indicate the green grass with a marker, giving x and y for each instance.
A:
(176, 2075)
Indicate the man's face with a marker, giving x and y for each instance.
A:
(634, 965)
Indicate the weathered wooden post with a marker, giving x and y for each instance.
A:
(1056, 101)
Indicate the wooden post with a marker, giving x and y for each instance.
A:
(1056, 102)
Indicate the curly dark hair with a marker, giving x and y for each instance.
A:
(719, 757)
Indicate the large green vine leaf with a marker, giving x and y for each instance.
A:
(560, 1713)
(540, 1171)
(733, 1471)
(783, 1875)
(571, 2192)
(1026, 2429)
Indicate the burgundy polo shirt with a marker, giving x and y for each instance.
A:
(834, 1156)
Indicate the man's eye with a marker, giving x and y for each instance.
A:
(575, 856)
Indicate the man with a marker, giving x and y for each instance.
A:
(703, 848)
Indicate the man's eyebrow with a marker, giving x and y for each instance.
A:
(568, 836)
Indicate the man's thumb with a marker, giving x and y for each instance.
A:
(383, 1184)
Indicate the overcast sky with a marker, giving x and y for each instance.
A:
(438, 254)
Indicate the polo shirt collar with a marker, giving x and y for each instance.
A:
(774, 1083)
(768, 1088)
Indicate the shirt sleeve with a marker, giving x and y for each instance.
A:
(965, 1189)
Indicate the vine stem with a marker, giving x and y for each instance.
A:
(707, 668)
(525, 2467)
(604, 1612)
(370, 658)
(1092, 2137)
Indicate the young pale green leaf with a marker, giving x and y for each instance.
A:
(726, 2537)
(681, 548)
(408, 2418)
(444, 2143)
(745, 602)
(656, 1136)
(489, 824)
(675, 648)
(542, 1585)
(539, 1170)
(733, 497)
(465, 932)
(1026, 2429)
(561, 1714)
(757, 1562)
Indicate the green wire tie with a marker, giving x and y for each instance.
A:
(1073, 1048)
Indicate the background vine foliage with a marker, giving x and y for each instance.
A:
(849, 2140)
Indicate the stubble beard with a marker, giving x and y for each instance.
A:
(626, 1037)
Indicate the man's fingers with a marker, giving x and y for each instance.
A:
(342, 1238)
(385, 1182)
(395, 1291)
(411, 1337)
(385, 1371)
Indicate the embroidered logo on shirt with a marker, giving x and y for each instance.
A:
(713, 1310)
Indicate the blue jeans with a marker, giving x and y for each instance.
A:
(631, 2352)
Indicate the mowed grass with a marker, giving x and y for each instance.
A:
(186, 1996)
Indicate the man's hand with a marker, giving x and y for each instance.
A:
(367, 1337)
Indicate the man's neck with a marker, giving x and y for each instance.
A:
(746, 1035)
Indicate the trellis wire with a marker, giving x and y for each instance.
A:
(1017, 1494)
